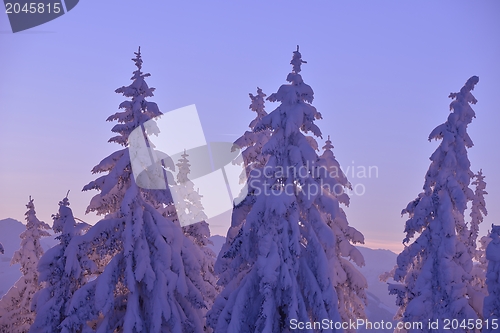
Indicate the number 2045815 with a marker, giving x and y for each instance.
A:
(33, 8)
(471, 324)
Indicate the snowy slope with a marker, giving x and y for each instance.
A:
(381, 305)
(377, 262)
(10, 230)
(217, 241)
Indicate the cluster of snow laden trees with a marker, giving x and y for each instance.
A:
(285, 253)
(289, 254)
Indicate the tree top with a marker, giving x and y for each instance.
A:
(297, 61)
(328, 144)
(464, 94)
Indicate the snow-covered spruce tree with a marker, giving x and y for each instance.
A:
(279, 269)
(251, 144)
(152, 282)
(15, 310)
(192, 219)
(349, 283)
(189, 208)
(434, 270)
(51, 302)
(492, 301)
(483, 241)
(481, 264)
(477, 288)
(478, 211)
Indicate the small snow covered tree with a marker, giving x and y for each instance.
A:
(349, 283)
(189, 208)
(15, 306)
(277, 269)
(478, 211)
(51, 303)
(152, 282)
(189, 212)
(483, 241)
(251, 144)
(477, 288)
(491, 312)
(434, 270)
(1, 249)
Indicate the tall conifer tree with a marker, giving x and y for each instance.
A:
(434, 270)
(152, 282)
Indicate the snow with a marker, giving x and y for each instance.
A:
(51, 302)
(433, 273)
(491, 309)
(16, 315)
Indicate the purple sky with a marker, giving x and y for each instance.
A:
(381, 72)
